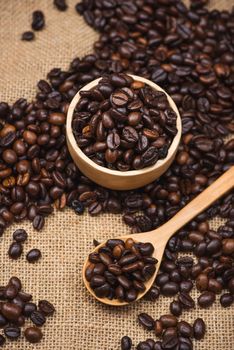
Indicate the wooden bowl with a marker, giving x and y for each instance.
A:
(114, 179)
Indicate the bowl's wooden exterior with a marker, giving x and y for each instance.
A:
(114, 179)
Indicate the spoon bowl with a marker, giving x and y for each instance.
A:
(160, 236)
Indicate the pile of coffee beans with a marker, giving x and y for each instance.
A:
(174, 334)
(118, 270)
(16, 307)
(190, 53)
(124, 124)
(16, 248)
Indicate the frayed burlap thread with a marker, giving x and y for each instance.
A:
(80, 323)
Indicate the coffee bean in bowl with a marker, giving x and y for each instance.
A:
(123, 131)
(119, 270)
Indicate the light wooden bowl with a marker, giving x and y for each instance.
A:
(114, 179)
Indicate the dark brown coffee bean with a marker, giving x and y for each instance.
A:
(25, 296)
(130, 295)
(184, 329)
(103, 291)
(37, 318)
(126, 343)
(46, 307)
(38, 222)
(20, 235)
(206, 299)
(33, 255)
(33, 334)
(169, 289)
(10, 292)
(199, 328)
(202, 282)
(28, 309)
(226, 300)
(175, 308)
(15, 281)
(186, 300)
(168, 321)
(38, 20)
(11, 311)
(146, 321)
(15, 250)
(61, 5)
(28, 36)
(12, 332)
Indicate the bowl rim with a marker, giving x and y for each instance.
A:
(129, 173)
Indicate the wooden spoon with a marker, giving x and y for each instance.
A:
(160, 236)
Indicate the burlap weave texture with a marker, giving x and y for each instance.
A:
(80, 323)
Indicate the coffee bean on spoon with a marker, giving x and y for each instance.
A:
(116, 265)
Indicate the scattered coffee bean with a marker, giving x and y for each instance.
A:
(38, 20)
(226, 299)
(28, 36)
(15, 250)
(46, 307)
(33, 255)
(126, 343)
(206, 299)
(20, 235)
(61, 5)
(33, 334)
(199, 328)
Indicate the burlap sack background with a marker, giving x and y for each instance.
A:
(80, 323)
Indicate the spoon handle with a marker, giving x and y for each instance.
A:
(217, 189)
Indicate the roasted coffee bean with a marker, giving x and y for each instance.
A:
(15, 250)
(33, 255)
(37, 318)
(175, 308)
(206, 299)
(38, 222)
(12, 332)
(28, 309)
(199, 328)
(28, 36)
(20, 235)
(61, 5)
(126, 343)
(168, 321)
(46, 307)
(184, 329)
(38, 20)
(186, 300)
(10, 292)
(15, 281)
(143, 346)
(158, 328)
(11, 311)
(33, 334)
(146, 321)
(169, 289)
(226, 299)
